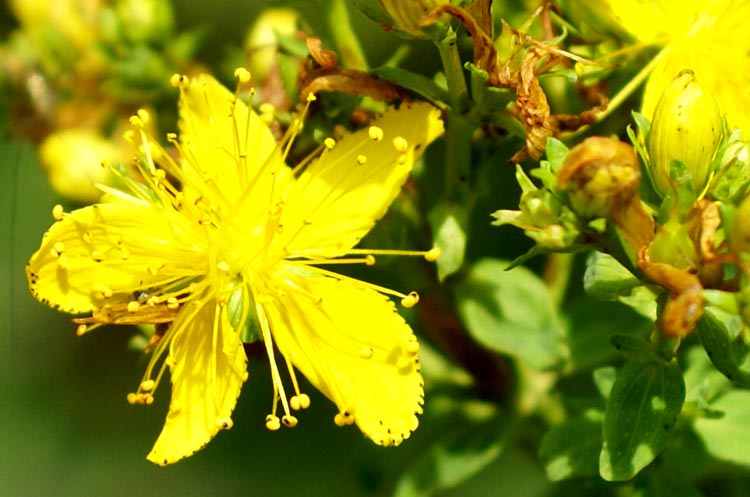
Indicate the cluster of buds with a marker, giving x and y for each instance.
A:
(76, 70)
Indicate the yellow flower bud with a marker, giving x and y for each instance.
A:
(686, 126)
(261, 43)
(73, 160)
(407, 13)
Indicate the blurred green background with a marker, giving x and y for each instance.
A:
(67, 428)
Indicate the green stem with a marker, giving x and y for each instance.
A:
(458, 128)
(454, 71)
(557, 275)
(352, 55)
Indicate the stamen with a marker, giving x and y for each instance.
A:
(279, 394)
(328, 142)
(361, 159)
(376, 133)
(298, 400)
(272, 422)
(57, 212)
(410, 300)
(242, 75)
(133, 306)
(400, 144)
(179, 81)
(224, 423)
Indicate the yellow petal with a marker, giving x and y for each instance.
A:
(208, 367)
(338, 199)
(227, 142)
(352, 345)
(105, 252)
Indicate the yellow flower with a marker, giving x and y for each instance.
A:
(227, 237)
(706, 37)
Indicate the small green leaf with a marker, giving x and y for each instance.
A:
(641, 412)
(572, 448)
(556, 152)
(511, 312)
(606, 279)
(726, 345)
(452, 459)
(728, 438)
(417, 83)
(590, 325)
(634, 348)
(448, 223)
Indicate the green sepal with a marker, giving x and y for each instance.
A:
(242, 316)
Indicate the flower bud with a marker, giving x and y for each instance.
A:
(261, 41)
(686, 126)
(73, 160)
(407, 13)
(597, 173)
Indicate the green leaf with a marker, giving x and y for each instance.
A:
(641, 412)
(417, 83)
(725, 343)
(728, 437)
(572, 448)
(634, 348)
(606, 279)
(604, 378)
(590, 325)
(452, 459)
(448, 222)
(556, 152)
(511, 312)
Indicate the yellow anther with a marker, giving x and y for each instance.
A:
(311, 97)
(329, 143)
(133, 306)
(172, 137)
(369, 260)
(245, 376)
(147, 398)
(410, 300)
(132, 398)
(105, 164)
(412, 347)
(402, 159)
(361, 159)
(95, 254)
(172, 303)
(366, 353)
(179, 80)
(129, 136)
(340, 420)
(242, 74)
(147, 385)
(53, 252)
(223, 266)
(289, 421)
(266, 108)
(272, 422)
(300, 401)
(57, 212)
(81, 330)
(433, 254)
(375, 133)
(144, 115)
(160, 174)
(135, 121)
(400, 144)
(224, 423)
(152, 300)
